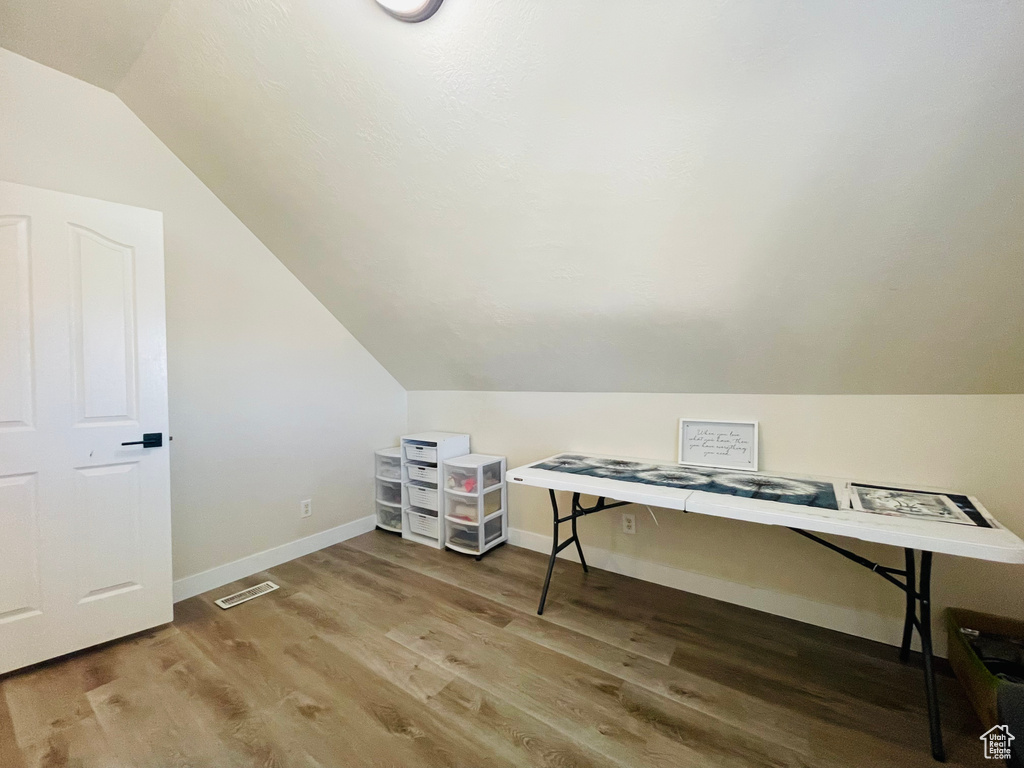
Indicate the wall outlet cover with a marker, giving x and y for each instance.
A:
(628, 522)
(306, 508)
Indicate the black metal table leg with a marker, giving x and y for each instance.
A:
(575, 536)
(547, 582)
(925, 630)
(554, 552)
(911, 615)
(918, 589)
(577, 511)
(556, 547)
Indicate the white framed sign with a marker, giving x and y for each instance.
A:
(722, 444)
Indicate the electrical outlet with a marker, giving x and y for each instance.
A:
(628, 522)
(307, 508)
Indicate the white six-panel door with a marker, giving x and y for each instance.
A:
(85, 535)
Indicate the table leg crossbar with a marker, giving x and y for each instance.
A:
(916, 586)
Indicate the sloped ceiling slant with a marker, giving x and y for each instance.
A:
(657, 196)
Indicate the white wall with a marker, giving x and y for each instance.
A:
(972, 443)
(646, 196)
(271, 399)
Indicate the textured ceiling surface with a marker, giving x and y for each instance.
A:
(660, 196)
(94, 40)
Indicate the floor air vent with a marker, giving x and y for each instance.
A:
(246, 594)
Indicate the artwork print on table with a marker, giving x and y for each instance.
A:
(914, 505)
(721, 444)
(788, 490)
(806, 492)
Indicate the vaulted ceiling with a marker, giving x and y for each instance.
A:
(658, 196)
(94, 40)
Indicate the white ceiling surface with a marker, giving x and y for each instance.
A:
(94, 40)
(796, 197)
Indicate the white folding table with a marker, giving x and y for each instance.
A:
(806, 505)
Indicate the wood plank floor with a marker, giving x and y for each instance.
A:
(379, 652)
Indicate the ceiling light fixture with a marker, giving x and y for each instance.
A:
(410, 10)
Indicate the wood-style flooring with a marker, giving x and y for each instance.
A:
(379, 652)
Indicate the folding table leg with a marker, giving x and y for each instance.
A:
(911, 615)
(556, 547)
(918, 589)
(554, 553)
(575, 536)
(925, 630)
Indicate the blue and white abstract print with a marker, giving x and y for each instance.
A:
(809, 493)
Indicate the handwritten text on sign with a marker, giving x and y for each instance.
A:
(719, 444)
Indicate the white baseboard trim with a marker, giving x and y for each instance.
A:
(849, 620)
(190, 586)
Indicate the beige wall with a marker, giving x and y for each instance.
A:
(271, 399)
(973, 443)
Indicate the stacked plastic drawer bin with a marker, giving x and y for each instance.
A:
(388, 471)
(422, 456)
(475, 503)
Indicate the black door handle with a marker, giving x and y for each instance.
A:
(150, 440)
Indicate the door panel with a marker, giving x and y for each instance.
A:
(103, 295)
(19, 549)
(107, 509)
(15, 325)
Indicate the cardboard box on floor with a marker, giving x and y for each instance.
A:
(997, 701)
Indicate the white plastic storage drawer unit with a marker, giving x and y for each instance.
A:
(475, 503)
(387, 466)
(422, 496)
